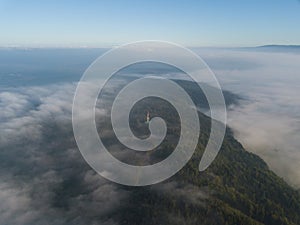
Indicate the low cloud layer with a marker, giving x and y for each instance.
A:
(267, 122)
(43, 176)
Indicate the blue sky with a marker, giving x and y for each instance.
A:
(107, 23)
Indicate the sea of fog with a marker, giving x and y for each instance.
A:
(268, 121)
(36, 84)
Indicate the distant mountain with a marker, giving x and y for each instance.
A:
(197, 95)
(275, 48)
(280, 46)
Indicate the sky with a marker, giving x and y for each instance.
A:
(218, 23)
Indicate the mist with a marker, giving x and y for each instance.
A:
(267, 120)
(40, 163)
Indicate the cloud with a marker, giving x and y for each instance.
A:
(267, 121)
(43, 176)
(188, 193)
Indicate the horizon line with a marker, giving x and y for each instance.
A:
(115, 46)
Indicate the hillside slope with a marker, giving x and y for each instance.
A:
(238, 188)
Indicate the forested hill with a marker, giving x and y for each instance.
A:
(238, 188)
